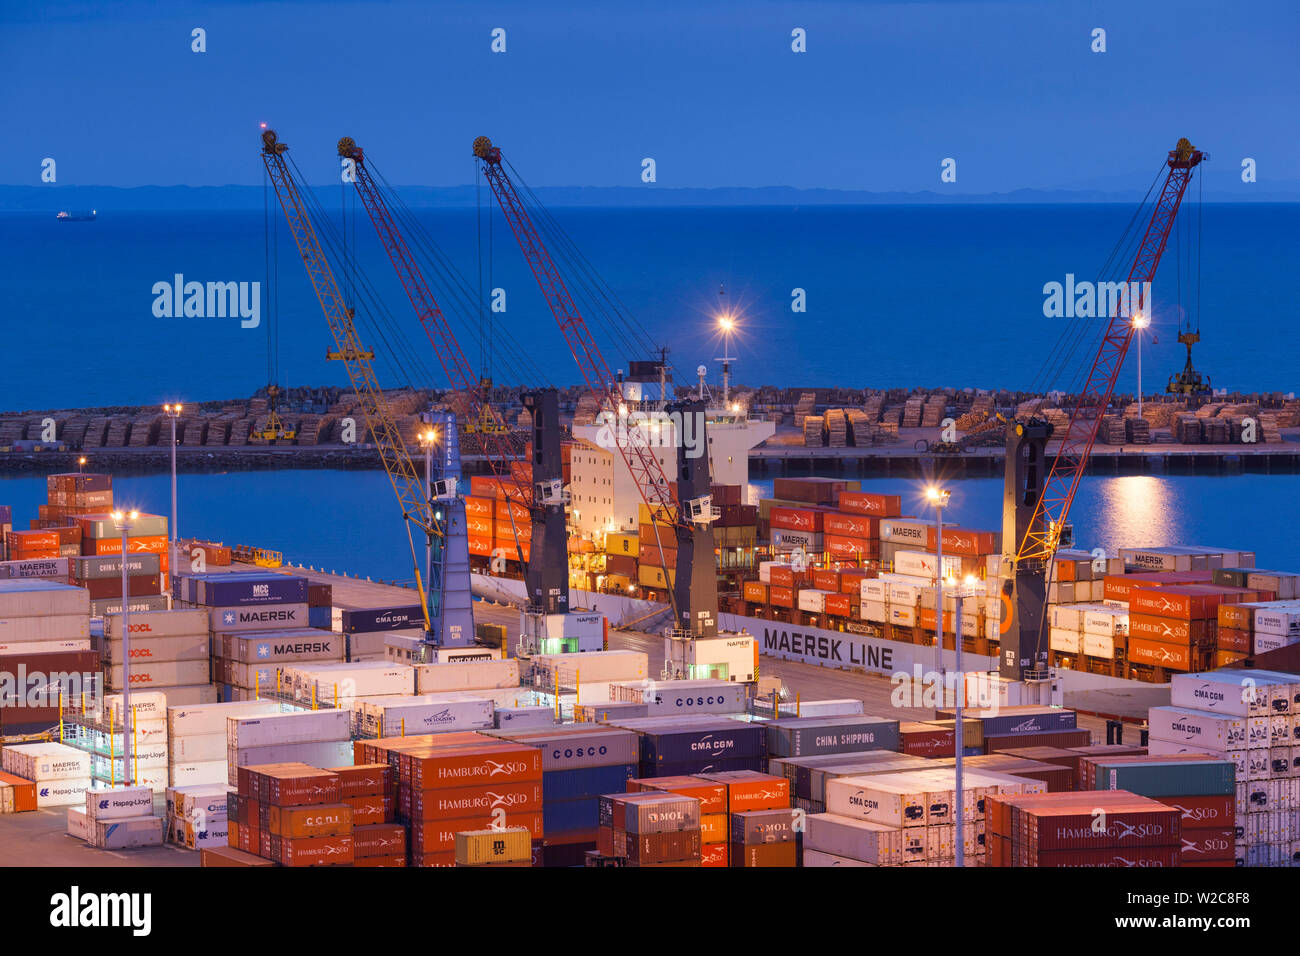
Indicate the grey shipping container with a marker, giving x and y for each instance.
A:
(110, 566)
(104, 606)
(812, 736)
(565, 748)
(1200, 778)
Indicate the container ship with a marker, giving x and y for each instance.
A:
(77, 215)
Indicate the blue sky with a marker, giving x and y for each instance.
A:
(710, 90)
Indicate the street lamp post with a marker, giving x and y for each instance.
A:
(173, 412)
(81, 464)
(1140, 322)
(728, 325)
(123, 520)
(939, 498)
(959, 595)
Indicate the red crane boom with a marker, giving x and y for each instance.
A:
(645, 467)
(1053, 507)
(450, 355)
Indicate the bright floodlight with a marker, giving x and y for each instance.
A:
(937, 495)
(1141, 321)
(970, 580)
(117, 516)
(726, 323)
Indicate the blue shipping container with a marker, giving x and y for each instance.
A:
(241, 590)
(320, 617)
(569, 816)
(1046, 721)
(586, 782)
(723, 740)
(370, 620)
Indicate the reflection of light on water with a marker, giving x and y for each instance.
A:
(1135, 511)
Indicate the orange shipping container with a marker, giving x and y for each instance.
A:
(467, 766)
(714, 854)
(1232, 639)
(438, 836)
(969, 544)
(1176, 657)
(711, 794)
(508, 549)
(756, 591)
(479, 507)
(152, 544)
(839, 605)
(780, 596)
(826, 579)
(750, 790)
(851, 580)
(1170, 629)
(370, 809)
(796, 519)
(316, 851)
(478, 526)
(319, 820)
(867, 503)
(852, 526)
(782, 575)
(480, 546)
(850, 549)
(504, 508)
(31, 540)
(513, 796)
(1118, 586)
(1184, 603)
(1236, 616)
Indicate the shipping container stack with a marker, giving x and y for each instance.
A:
(760, 822)
(292, 814)
(1249, 719)
(1175, 627)
(458, 782)
(237, 603)
(370, 790)
(1003, 728)
(1256, 627)
(494, 515)
(60, 773)
(649, 828)
(197, 740)
(321, 738)
(44, 632)
(197, 816)
(105, 741)
(921, 805)
(119, 818)
(342, 685)
(6, 525)
(169, 653)
(808, 776)
(396, 715)
(1110, 828)
(248, 664)
(715, 830)
(657, 544)
(101, 537)
(101, 576)
(579, 764)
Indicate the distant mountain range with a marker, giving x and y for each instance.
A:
(52, 198)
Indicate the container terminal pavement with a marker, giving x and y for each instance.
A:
(226, 783)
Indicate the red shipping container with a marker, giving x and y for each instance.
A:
(1176, 657)
(137, 586)
(783, 575)
(781, 596)
(1232, 639)
(839, 605)
(926, 740)
(796, 519)
(1170, 629)
(1202, 813)
(971, 544)
(867, 503)
(1184, 603)
(826, 579)
(850, 549)
(1118, 586)
(713, 854)
(851, 580)
(851, 525)
(509, 550)
(1122, 858)
(150, 544)
(1209, 844)
(31, 540)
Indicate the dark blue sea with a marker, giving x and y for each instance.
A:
(895, 296)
